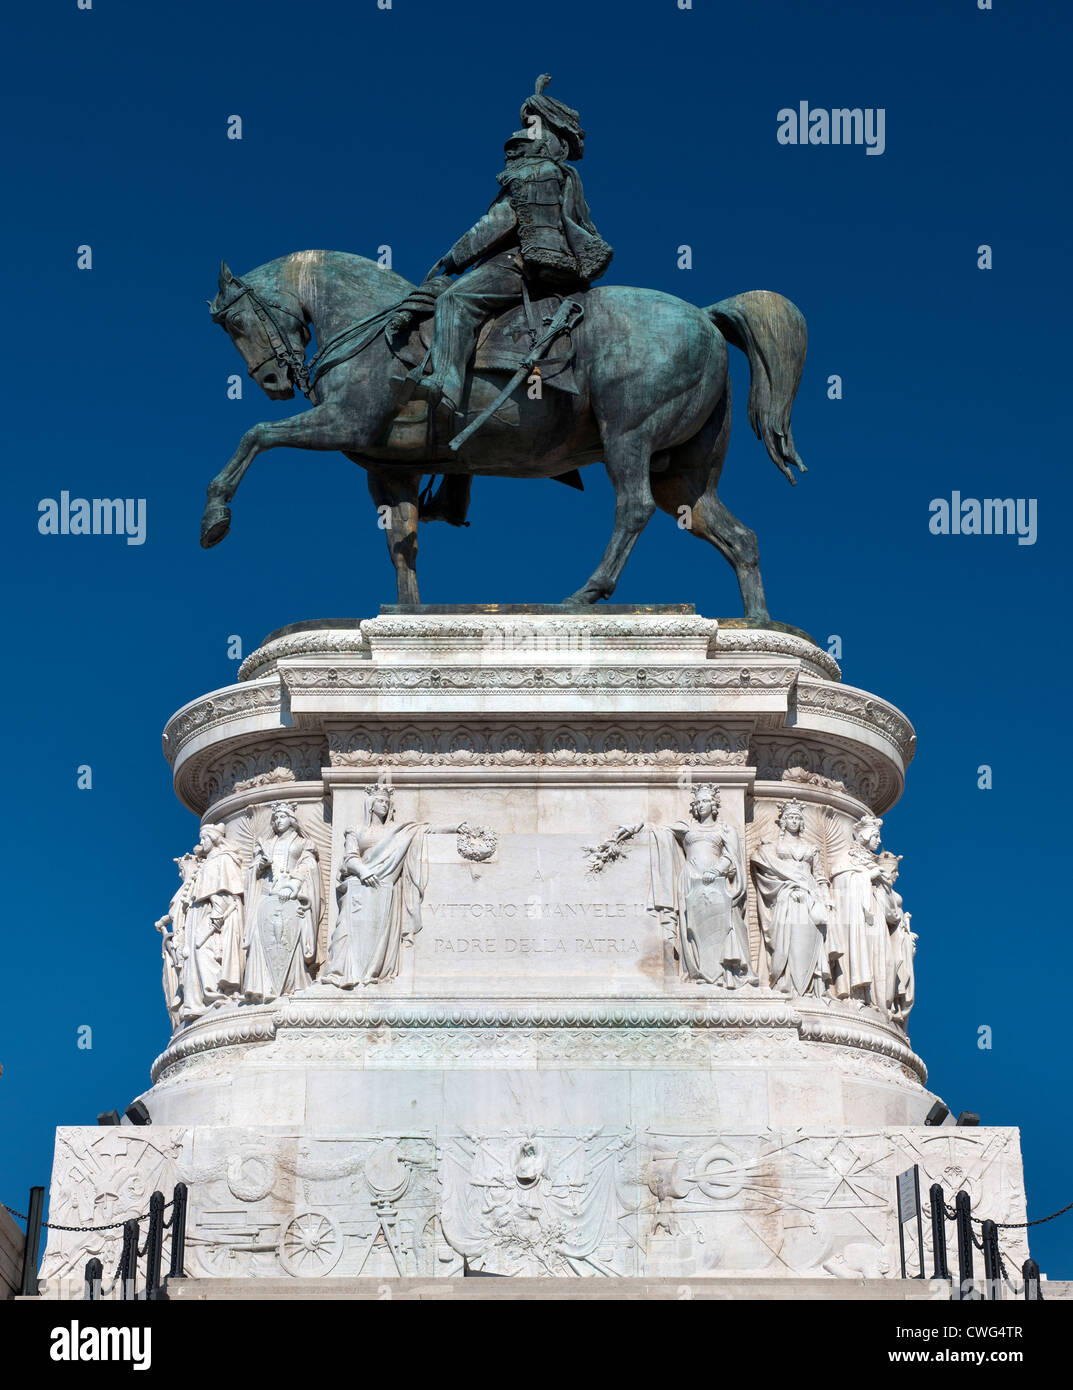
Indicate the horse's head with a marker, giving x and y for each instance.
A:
(267, 326)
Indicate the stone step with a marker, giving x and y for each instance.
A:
(752, 1289)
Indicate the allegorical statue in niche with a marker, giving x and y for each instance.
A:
(698, 882)
(901, 975)
(793, 901)
(212, 965)
(173, 942)
(900, 943)
(282, 910)
(867, 910)
(381, 884)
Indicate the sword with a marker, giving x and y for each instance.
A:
(565, 317)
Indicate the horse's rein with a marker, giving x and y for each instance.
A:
(290, 359)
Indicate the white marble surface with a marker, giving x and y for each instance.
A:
(517, 1068)
(527, 1197)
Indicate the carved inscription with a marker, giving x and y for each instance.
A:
(536, 910)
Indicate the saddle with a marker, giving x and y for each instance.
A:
(505, 339)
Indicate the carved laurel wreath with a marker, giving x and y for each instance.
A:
(476, 842)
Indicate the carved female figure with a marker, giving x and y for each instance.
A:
(794, 905)
(900, 984)
(867, 910)
(173, 942)
(211, 953)
(381, 883)
(283, 910)
(705, 893)
(901, 988)
(219, 891)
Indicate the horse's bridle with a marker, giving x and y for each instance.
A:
(290, 359)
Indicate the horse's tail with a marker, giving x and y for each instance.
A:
(770, 330)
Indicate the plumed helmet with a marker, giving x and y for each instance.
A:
(557, 116)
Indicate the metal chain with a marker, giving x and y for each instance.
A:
(948, 1212)
(1017, 1292)
(115, 1277)
(951, 1215)
(1021, 1225)
(112, 1225)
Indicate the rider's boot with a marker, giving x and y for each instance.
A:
(450, 501)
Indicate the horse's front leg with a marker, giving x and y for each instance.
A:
(323, 427)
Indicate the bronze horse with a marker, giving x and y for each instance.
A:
(652, 402)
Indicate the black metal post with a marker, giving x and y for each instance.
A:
(963, 1220)
(992, 1268)
(901, 1239)
(94, 1277)
(128, 1261)
(31, 1252)
(920, 1220)
(154, 1245)
(178, 1231)
(939, 1267)
(1030, 1274)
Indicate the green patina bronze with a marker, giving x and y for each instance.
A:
(567, 374)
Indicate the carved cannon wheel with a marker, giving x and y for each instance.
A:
(215, 1258)
(310, 1245)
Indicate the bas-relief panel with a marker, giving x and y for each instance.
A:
(100, 1178)
(561, 1202)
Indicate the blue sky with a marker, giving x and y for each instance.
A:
(363, 127)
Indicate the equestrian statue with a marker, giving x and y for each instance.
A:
(517, 368)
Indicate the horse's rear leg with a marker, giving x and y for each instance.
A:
(627, 463)
(690, 482)
(396, 499)
(716, 523)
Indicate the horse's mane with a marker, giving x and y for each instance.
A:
(308, 274)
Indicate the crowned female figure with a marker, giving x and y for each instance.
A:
(381, 884)
(283, 910)
(698, 876)
(794, 905)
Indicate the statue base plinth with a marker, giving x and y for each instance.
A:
(525, 1072)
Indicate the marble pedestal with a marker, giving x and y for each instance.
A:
(534, 1086)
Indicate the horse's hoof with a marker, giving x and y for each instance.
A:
(584, 598)
(215, 524)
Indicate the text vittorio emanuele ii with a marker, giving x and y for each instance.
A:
(521, 940)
